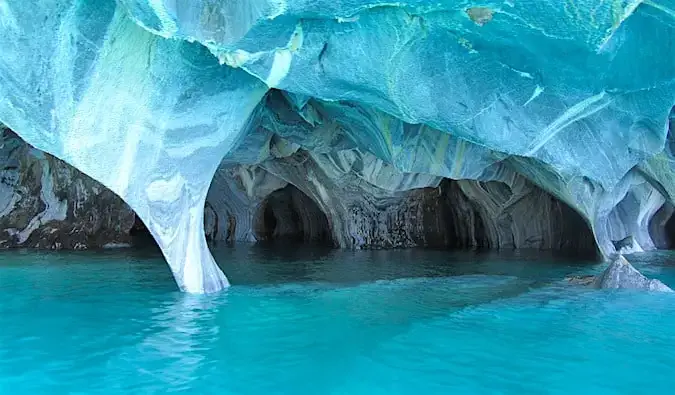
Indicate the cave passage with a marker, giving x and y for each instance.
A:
(670, 233)
(490, 216)
(141, 236)
(664, 235)
(288, 215)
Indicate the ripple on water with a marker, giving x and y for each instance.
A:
(114, 323)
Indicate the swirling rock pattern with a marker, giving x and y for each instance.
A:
(361, 212)
(47, 203)
(130, 109)
(366, 107)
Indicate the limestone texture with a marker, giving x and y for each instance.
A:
(359, 123)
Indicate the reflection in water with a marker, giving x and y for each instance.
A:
(182, 328)
(272, 264)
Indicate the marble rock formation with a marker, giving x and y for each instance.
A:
(621, 274)
(519, 123)
(46, 203)
(399, 210)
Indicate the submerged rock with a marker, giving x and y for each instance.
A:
(585, 280)
(621, 274)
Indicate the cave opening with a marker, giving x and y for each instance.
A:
(290, 216)
(662, 227)
(140, 235)
(488, 216)
(670, 233)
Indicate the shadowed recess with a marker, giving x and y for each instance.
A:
(288, 215)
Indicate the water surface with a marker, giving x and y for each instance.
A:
(310, 321)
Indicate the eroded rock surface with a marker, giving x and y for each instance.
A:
(621, 274)
(46, 203)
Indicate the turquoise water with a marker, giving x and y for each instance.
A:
(330, 322)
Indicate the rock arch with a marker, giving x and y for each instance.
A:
(131, 122)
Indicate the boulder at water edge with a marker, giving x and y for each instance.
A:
(621, 274)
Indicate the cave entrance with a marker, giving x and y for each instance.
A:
(494, 216)
(288, 215)
(662, 227)
(670, 232)
(141, 236)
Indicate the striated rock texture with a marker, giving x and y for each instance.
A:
(621, 274)
(361, 212)
(46, 203)
(501, 124)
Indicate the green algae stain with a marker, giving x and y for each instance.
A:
(460, 150)
(441, 148)
(386, 134)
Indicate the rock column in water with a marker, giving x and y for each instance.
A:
(149, 118)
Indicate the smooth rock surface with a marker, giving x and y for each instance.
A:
(621, 274)
(147, 117)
